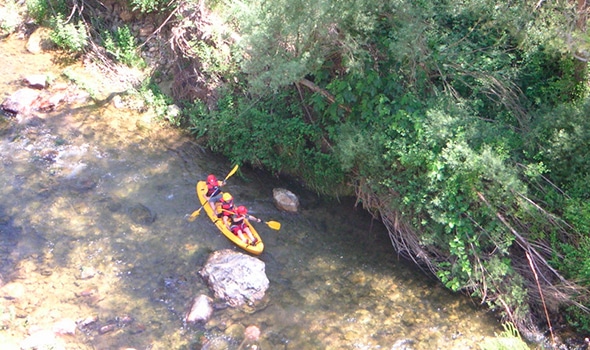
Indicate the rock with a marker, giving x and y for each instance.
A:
(173, 112)
(39, 40)
(65, 326)
(218, 343)
(36, 81)
(86, 321)
(117, 102)
(252, 333)
(235, 277)
(43, 339)
(200, 311)
(50, 102)
(285, 200)
(146, 30)
(87, 273)
(107, 328)
(142, 215)
(20, 102)
(402, 344)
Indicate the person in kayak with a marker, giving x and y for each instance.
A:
(213, 194)
(226, 208)
(239, 226)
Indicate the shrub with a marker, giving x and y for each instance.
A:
(147, 6)
(42, 11)
(67, 35)
(121, 45)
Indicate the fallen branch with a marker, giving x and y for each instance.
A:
(313, 87)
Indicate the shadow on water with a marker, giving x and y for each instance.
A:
(94, 230)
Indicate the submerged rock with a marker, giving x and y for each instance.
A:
(142, 215)
(235, 277)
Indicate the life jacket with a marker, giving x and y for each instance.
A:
(227, 207)
(212, 189)
(238, 222)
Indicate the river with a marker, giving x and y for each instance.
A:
(94, 231)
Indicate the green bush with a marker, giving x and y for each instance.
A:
(510, 339)
(159, 102)
(121, 44)
(147, 6)
(68, 36)
(251, 132)
(42, 11)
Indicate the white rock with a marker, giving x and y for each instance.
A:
(65, 326)
(200, 311)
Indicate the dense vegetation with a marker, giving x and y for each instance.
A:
(461, 124)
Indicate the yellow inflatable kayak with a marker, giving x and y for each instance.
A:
(253, 249)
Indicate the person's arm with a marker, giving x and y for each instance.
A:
(252, 217)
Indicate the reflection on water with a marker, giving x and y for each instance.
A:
(94, 236)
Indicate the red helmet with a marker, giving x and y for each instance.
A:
(212, 179)
(241, 210)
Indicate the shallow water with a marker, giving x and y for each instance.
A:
(93, 226)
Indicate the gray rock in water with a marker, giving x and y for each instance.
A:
(142, 215)
(235, 277)
(285, 200)
(200, 311)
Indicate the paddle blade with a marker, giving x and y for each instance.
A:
(275, 225)
(194, 215)
(233, 171)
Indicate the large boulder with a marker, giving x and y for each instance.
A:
(39, 40)
(285, 200)
(235, 277)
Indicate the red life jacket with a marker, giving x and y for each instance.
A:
(212, 189)
(227, 207)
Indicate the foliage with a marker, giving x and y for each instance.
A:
(465, 119)
(72, 37)
(510, 339)
(159, 102)
(121, 44)
(283, 40)
(10, 17)
(212, 58)
(252, 133)
(147, 6)
(43, 11)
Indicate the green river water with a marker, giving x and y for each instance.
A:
(93, 226)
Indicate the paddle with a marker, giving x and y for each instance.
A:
(198, 211)
(275, 225)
